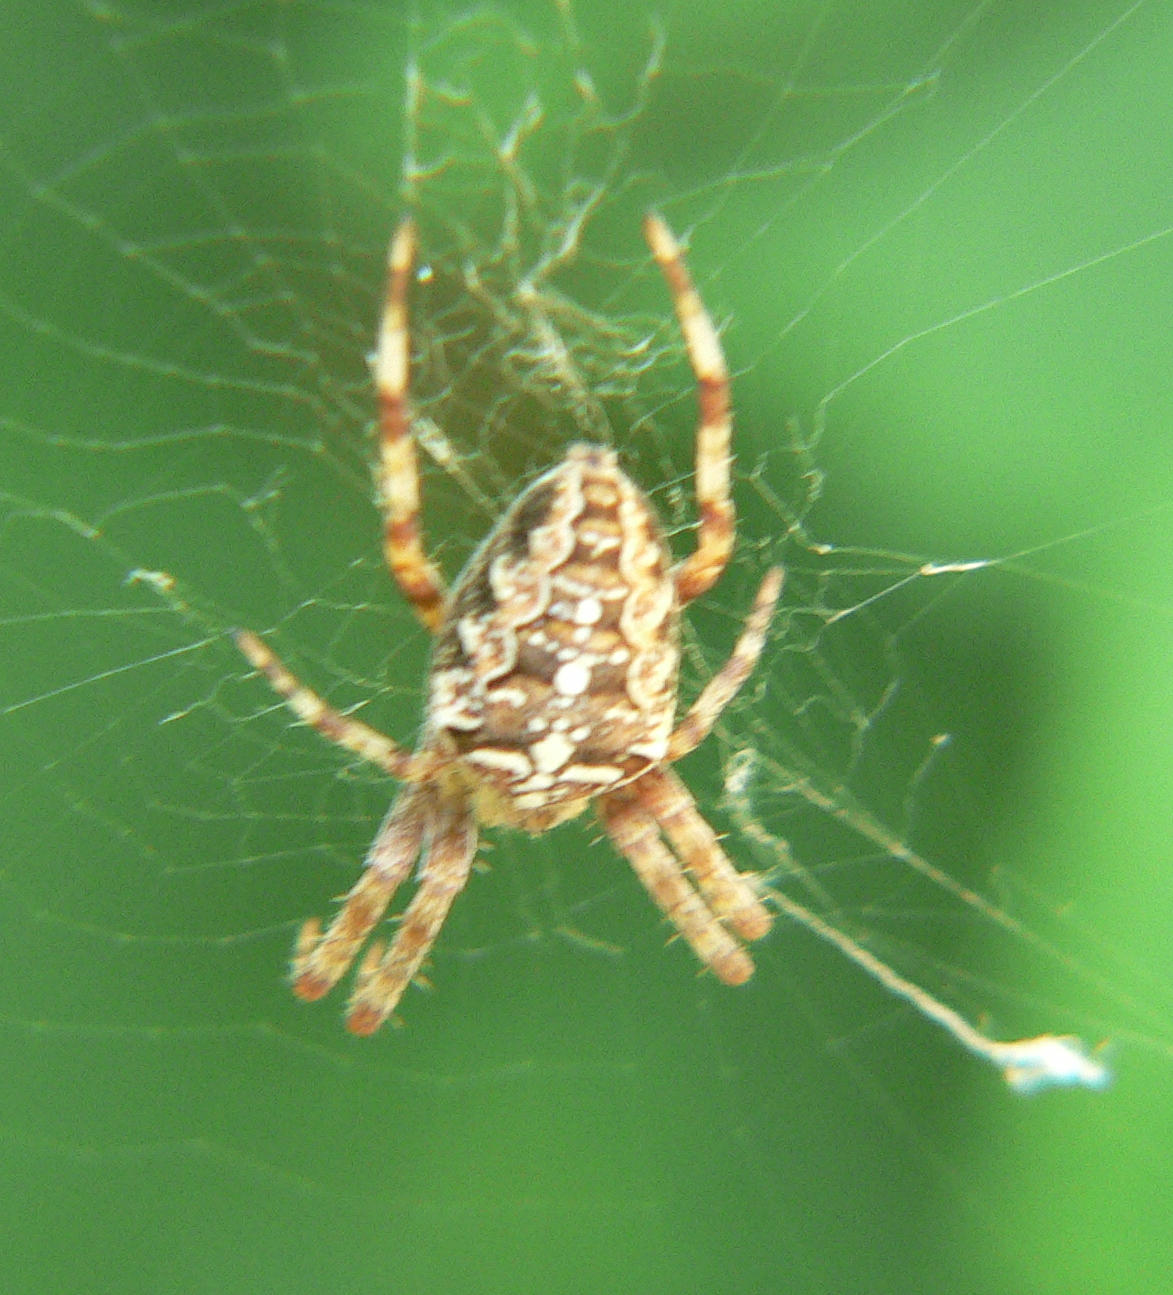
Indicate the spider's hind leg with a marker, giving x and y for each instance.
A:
(398, 473)
(702, 569)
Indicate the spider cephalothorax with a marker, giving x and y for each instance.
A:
(553, 683)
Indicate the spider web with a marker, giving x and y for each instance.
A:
(940, 248)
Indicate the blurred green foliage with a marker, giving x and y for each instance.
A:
(941, 238)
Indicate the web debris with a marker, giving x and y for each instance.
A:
(1028, 1066)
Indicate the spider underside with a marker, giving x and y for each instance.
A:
(553, 682)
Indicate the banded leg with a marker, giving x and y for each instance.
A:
(729, 893)
(320, 961)
(343, 730)
(399, 490)
(725, 684)
(636, 835)
(715, 536)
(383, 977)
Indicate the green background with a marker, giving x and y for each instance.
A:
(943, 238)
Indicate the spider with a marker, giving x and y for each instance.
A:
(553, 681)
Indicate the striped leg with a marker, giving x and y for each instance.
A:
(320, 961)
(715, 537)
(350, 733)
(729, 893)
(636, 835)
(724, 685)
(399, 491)
(383, 977)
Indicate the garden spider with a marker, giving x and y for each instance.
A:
(553, 681)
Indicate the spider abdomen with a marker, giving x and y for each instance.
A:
(555, 670)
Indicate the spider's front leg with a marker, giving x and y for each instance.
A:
(636, 835)
(731, 895)
(383, 976)
(320, 960)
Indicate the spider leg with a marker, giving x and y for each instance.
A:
(398, 477)
(319, 961)
(352, 734)
(717, 519)
(380, 985)
(724, 685)
(729, 893)
(637, 836)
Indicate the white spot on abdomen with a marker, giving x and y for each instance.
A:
(588, 612)
(511, 762)
(551, 753)
(572, 679)
(588, 774)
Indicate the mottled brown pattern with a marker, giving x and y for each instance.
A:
(583, 637)
(553, 683)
